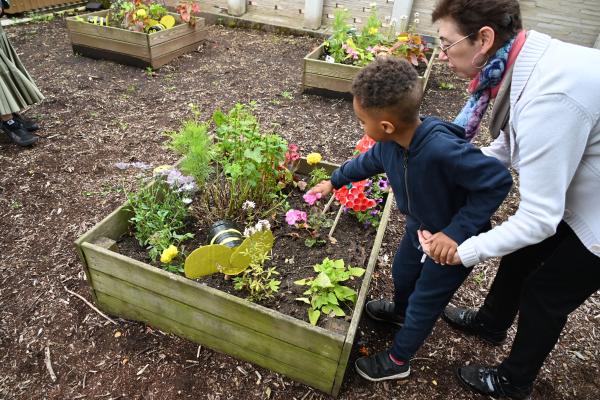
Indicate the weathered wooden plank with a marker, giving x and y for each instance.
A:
(175, 32)
(126, 310)
(331, 83)
(113, 45)
(215, 302)
(235, 335)
(106, 32)
(362, 294)
(172, 48)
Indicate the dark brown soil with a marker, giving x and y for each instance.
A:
(99, 113)
(352, 242)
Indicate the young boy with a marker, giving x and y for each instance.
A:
(442, 184)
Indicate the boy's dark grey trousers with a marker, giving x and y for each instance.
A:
(422, 291)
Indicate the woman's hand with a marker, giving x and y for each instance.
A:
(323, 187)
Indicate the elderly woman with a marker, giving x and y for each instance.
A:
(546, 124)
(17, 92)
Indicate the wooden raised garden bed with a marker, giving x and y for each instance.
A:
(135, 290)
(19, 6)
(134, 48)
(336, 79)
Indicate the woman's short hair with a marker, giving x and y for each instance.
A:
(503, 16)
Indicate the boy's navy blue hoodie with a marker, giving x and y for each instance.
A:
(442, 182)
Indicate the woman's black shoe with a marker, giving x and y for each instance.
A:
(490, 382)
(28, 124)
(18, 134)
(465, 320)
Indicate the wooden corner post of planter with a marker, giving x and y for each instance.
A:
(134, 48)
(134, 290)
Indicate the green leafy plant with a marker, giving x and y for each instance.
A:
(195, 144)
(446, 86)
(325, 291)
(159, 217)
(248, 158)
(257, 279)
(147, 15)
(317, 175)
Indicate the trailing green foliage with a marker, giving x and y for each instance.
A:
(257, 279)
(159, 214)
(325, 291)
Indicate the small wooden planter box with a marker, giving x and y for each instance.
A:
(134, 290)
(133, 48)
(336, 79)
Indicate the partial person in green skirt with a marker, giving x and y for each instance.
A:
(17, 92)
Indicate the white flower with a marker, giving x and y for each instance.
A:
(248, 205)
(416, 15)
(404, 17)
(416, 21)
(186, 200)
(329, 59)
(249, 231)
(263, 225)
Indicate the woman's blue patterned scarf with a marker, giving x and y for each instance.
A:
(490, 76)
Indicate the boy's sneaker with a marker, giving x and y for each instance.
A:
(380, 367)
(465, 320)
(28, 124)
(384, 310)
(490, 382)
(17, 133)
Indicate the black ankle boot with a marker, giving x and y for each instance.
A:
(465, 320)
(17, 133)
(490, 382)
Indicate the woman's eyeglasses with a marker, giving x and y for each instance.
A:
(444, 49)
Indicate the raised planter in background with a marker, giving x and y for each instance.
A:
(134, 290)
(335, 79)
(134, 48)
(20, 6)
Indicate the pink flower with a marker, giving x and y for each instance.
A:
(294, 216)
(311, 197)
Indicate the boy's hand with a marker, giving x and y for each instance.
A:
(323, 187)
(440, 247)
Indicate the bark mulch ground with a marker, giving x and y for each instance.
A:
(98, 113)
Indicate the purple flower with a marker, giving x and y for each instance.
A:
(383, 184)
(122, 165)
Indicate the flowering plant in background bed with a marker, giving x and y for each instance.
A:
(144, 15)
(349, 46)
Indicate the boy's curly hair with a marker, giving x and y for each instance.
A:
(389, 83)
